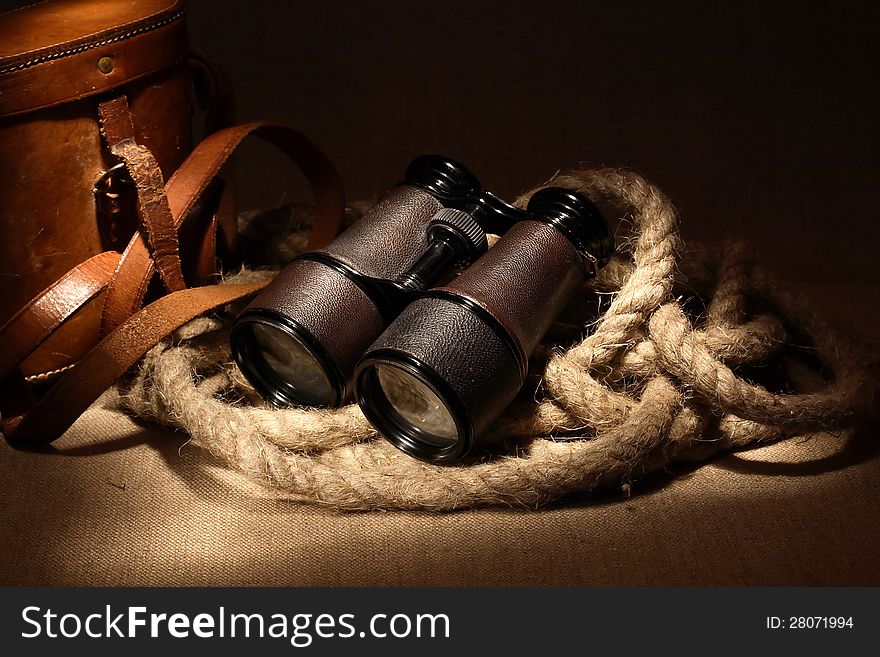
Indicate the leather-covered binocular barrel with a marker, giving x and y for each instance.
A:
(431, 367)
(455, 358)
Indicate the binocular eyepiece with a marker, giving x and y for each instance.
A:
(430, 365)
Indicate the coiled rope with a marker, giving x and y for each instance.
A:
(661, 377)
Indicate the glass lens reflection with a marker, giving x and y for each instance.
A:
(418, 405)
(292, 364)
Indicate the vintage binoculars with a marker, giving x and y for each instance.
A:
(431, 367)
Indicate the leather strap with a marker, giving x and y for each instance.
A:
(37, 321)
(198, 237)
(153, 209)
(59, 408)
(187, 183)
(116, 122)
(126, 291)
(46, 312)
(215, 95)
(213, 91)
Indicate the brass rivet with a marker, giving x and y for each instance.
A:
(105, 65)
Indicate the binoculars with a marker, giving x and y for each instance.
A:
(379, 316)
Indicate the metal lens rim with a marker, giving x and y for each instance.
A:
(397, 430)
(262, 377)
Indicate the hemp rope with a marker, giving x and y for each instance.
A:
(648, 386)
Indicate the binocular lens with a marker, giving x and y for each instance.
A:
(401, 398)
(417, 406)
(283, 367)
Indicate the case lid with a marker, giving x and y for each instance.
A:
(61, 50)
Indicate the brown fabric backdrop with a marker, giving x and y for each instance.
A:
(757, 119)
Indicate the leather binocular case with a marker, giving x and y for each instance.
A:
(111, 221)
(65, 197)
(431, 367)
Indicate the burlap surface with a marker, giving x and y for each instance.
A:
(151, 513)
(126, 504)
